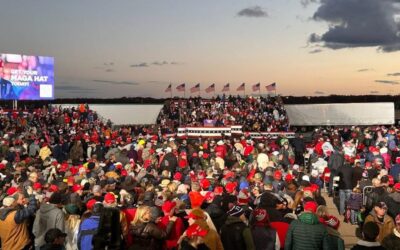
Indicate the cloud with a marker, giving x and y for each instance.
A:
(70, 88)
(140, 65)
(106, 67)
(394, 74)
(359, 23)
(255, 11)
(374, 92)
(364, 70)
(117, 82)
(387, 82)
(305, 3)
(319, 92)
(155, 63)
(160, 63)
(315, 51)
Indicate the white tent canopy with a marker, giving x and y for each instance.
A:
(340, 114)
(126, 114)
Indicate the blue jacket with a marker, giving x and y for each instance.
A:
(87, 229)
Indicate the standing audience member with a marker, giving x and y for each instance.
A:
(235, 234)
(384, 222)
(264, 237)
(54, 239)
(14, 218)
(48, 216)
(370, 232)
(146, 234)
(307, 232)
(392, 241)
(345, 172)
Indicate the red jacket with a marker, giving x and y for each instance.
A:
(172, 241)
(222, 150)
(129, 215)
(281, 228)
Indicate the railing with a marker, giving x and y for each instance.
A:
(235, 130)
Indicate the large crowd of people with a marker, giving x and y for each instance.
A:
(71, 181)
(253, 113)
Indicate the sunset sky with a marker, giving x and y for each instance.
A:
(106, 48)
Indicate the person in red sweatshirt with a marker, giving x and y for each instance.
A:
(171, 242)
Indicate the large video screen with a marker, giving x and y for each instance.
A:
(25, 77)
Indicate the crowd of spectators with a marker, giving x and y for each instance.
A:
(253, 113)
(71, 181)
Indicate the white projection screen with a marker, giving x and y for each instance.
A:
(126, 114)
(341, 114)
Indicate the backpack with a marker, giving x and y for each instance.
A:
(109, 230)
(87, 230)
(232, 236)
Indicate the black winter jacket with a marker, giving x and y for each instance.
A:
(346, 174)
(391, 241)
(147, 236)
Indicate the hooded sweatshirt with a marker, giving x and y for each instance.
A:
(49, 216)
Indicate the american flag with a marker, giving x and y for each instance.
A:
(169, 88)
(271, 87)
(226, 88)
(181, 87)
(210, 88)
(256, 87)
(196, 88)
(241, 87)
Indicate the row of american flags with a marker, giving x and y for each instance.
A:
(226, 88)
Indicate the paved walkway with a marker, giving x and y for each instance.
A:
(347, 230)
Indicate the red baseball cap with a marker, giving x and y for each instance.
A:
(205, 184)
(178, 176)
(397, 187)
(310, 206)
(168, 206)
(314, 187)
(196, 199)
(12, 190)
(218, 190)
(76, 187)
(196, 214)
(109, 198)
(196, 230)
(229, 174)
(289, 177)
(391, 180)
(230, 187)
(37, 186)
(90, 204)
(53, 188)
(277, 175)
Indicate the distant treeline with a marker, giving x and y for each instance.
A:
(149, 100)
